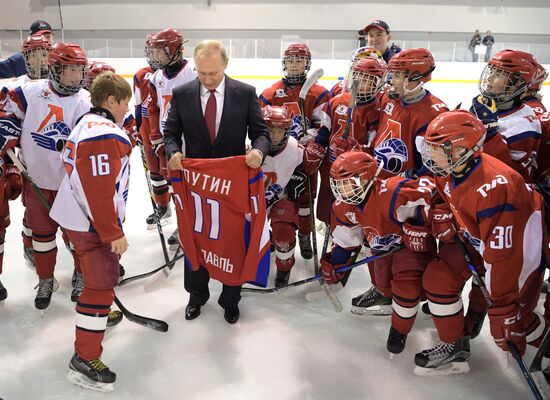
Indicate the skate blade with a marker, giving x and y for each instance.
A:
(55, 285)
(391, 355)
(541, 383)
(163, 222)
(2, 303)
(81, 380)
(454, 368)
(375, 311)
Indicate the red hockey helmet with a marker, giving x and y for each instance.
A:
(539, 78)
(296, 63)
(279, 121)
(352, 176)
(508, 74)
(170, 41)
(95, 68)
(370, 75)
(451, 140)
(417, 64)
(67, 67)
(35, 50)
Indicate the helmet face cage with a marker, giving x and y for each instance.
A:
(68, 79)
(274, 130)
(438, 157)
(501, 85)
(349, 190)
(36, 62)
(368, 85)
(295, 73)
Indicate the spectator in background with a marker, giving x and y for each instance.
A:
(378, 36)
(488, 41)
(361, 38)
(474, 41)
(14, 66)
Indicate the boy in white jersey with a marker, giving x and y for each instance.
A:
(35, 50)
(173, 70)
(90, 205)
(48, 110)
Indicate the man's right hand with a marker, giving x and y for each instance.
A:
(175, 162)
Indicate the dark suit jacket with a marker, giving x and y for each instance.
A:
(241, 115)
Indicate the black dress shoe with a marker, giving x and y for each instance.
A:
(231, 315)
(192, 311)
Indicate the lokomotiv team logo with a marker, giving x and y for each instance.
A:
(53, 136)
(297, 130)
(393, 154)
(381, 243)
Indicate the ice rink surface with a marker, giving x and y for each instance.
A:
(282, 348)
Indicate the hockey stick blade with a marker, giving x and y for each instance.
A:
(148, 274)
(159, 279)
(147, 322)
(318, 276)
(312, 79)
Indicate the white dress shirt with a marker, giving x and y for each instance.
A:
(205, 95)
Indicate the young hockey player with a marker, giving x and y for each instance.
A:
(384, 214)
(296, 63)
(406, 110)
(166, 48)
(501, 217)
(90, 205)
(48, 110)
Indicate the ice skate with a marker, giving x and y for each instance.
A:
(44, 295)
(444, 359)
(162, 214)
(93, 375)
(371, 303)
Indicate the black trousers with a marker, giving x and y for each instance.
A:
(196, 284)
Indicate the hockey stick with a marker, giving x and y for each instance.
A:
(159, 279)
(153, 203)
(513, 349)
(313, 78)
(138, 319)
(151, 323)
(352, 104)
(526, 374)
(318, 277)
(148, 274)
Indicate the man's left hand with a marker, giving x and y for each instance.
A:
(254, 158)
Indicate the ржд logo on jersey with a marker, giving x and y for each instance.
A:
(499, 180)
(341, 110)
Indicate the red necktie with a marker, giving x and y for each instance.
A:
(210, 116)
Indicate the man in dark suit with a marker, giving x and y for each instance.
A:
(210, 118)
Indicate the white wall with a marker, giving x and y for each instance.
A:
(451, 82)
(501, 17)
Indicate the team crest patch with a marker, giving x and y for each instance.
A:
(280, 93)
(351, 217)
(389, 108)
(341, 110)
(53, 136)
(381, 243)
(393, 154)
(45, 94)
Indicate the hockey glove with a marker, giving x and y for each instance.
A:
(507, 325)
(296, 186)
(330, 276)
(338, 145)
(443, 227)
(416, 238)
(314, 154)
(485, 110)
(14, 184)
(158, 147)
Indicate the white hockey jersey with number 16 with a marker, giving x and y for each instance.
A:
(92, 196)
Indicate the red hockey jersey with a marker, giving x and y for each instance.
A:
(400, 131)
(220, 207)
(379, 221)
(501, 217)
